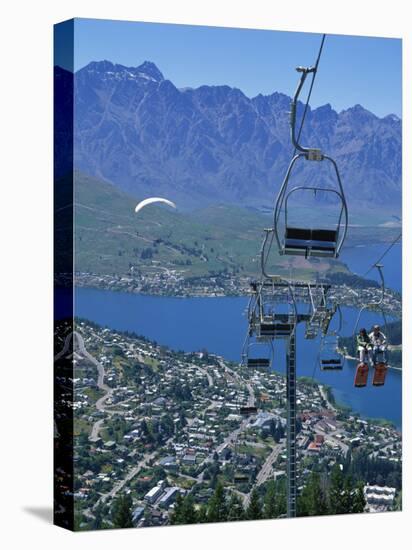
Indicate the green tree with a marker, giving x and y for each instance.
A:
(347, 496)
(236, 512)
(184, 511)
(312, 501)
(336, 503)
(176, 516)
(270, 505)
(99, 513)
(254, 510)
(122, 512)
(189, 513)
(202, 514)
(274, 501)
(217, 508)
(358, 500)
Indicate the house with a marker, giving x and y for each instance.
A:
(378, 498)
(153, 494)
(137, 514)
(264, 420)
(314, 447)
(168, 462)
(169, 497)
(189, 459)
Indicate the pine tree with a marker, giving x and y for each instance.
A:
(254, 510)
(336, 491)
(97, 523)
(122, 512)
(312, 501)
(358, 500)
(189, 514)
(347, 496)
(281, 498)
(235, 509)
(270, 508)
(176, 517)
(217, 509)
(202, 514)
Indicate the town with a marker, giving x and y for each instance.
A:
(159, 426)
(172, 283)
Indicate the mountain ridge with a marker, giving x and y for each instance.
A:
(214, 144)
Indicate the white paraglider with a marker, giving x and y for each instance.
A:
(145, 202)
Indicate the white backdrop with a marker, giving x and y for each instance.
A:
(26, 271)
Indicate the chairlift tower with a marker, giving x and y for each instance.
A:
(291, 424)
(297, 238)
(284, 326)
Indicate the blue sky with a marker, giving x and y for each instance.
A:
(352, 70)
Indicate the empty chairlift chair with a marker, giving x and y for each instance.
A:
(274, 329)
(247, 410)
(258, 362)
(310, 242)
(303, 238)
(257, 355)
(329, 356)
(298, 238)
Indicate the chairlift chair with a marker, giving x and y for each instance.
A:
(258, 362)
(301, 239)
(264, 322)
(329, 356)
(274, 329)
(247, 410)
(253, 358)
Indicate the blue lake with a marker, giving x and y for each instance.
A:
(219, 325)
(360, 258)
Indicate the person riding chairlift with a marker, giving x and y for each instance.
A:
(364, 345)
(378, 342)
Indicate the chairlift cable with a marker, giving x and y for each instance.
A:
(310, 90)
(383, 255)
(302, 121)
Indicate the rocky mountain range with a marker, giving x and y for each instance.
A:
(135, 129)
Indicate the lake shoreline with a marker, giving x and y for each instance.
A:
(219, 326)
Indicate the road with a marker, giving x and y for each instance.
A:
(266, 471)
(100, 403)
(324, 395)
(204, 371)
(79, 347)
(252, 399)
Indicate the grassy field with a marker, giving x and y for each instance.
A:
(110, 239)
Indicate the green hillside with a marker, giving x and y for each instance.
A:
(111, 239)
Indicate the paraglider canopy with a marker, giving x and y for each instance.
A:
(151, 200)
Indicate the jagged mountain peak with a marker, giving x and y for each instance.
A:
(108, 70)
(215, 144)
(150, 69)
(359, 111)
